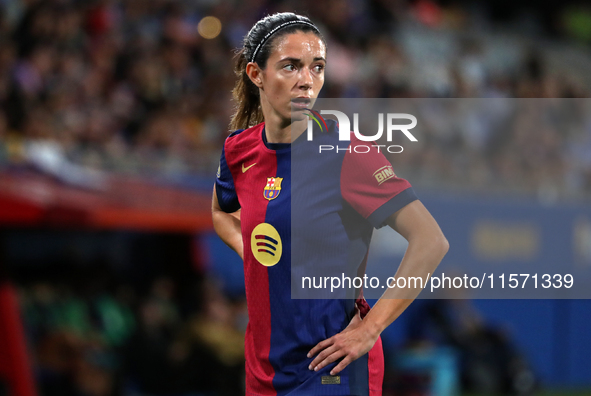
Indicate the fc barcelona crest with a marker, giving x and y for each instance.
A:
(273, 187)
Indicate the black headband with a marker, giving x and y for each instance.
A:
(268, 35)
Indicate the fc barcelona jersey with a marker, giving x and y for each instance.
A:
(304, 215)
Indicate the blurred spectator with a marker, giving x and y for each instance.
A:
(148, 350)
(489, 361)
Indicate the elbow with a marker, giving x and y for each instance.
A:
(436, 244)
(441, 244)
(446, 245)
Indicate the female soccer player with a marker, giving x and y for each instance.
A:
(313, 346)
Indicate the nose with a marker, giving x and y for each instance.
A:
(305, 78)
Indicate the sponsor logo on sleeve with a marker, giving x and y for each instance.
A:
(384, 173)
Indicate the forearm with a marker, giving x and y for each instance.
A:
(227, 226)
(422, 257)
(426, 248)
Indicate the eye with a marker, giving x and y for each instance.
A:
(289, 67)
(318, 68)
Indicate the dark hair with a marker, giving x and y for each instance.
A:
(257, 47)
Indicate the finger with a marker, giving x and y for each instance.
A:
(339, 367)
(321, 356)
(330, 359)
(320, 346)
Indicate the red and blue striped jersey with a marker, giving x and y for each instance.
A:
(302, 214)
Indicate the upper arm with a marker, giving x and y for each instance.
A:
(415, 221)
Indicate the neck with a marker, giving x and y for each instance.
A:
(278, 133)
(279, 129)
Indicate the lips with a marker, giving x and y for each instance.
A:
(301, 102)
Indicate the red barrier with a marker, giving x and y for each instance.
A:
(14, 358)
(33, 199)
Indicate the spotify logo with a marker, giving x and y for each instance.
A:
(265, 244)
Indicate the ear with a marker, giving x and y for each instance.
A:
(255, 74)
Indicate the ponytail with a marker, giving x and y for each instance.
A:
(247, 111)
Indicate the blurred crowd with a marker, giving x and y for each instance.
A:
(95, 339)
(102, 337)
(145, 86)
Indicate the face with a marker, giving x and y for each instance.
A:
(294, 72)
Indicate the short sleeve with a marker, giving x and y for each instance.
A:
(370, 186)
(224, 187)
